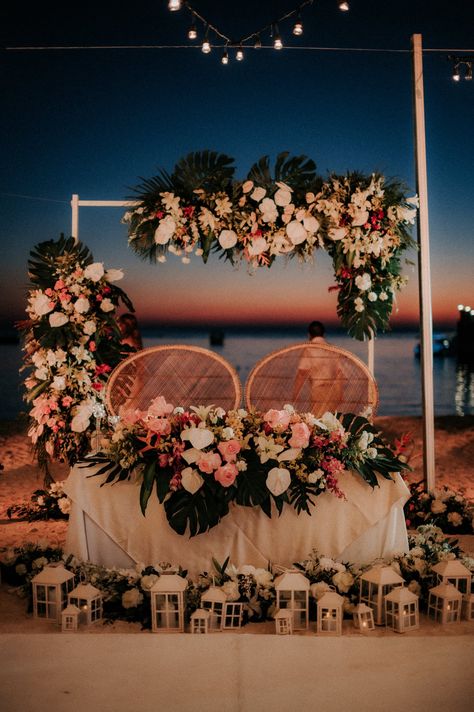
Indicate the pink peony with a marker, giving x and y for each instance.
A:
(226, 474)
(299, 435)
(159, 407)
(208, 462)
(160, 426)
(229, 450)
(277, 418)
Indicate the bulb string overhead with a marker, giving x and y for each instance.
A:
(255, 37)
(462, 67)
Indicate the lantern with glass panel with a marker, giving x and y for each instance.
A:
(50, 589)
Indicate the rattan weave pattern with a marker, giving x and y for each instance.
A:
(184, 375)
(313, 378)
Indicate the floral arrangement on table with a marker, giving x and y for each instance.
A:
(362, 221)
(445, 508)
(201, 459)
(49, 503)
(126, 591)
(71, 343)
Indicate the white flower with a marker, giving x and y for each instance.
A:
(59, 383)
(228, 433)
(263, 577)
(372, 296)
(364, 440)
(41, 304)
(57, 319)
(231, 590)
(258, 194)
(337, 233)
(114, 275)
(132, 598)
(328, 421)
(165, 230)
(247, 186)
(161, 258)
(191, 480)
(278, 480)
(360, 217)
(81, 305)
(315, 476)
(198, 437)
(438, 507)
(414, 587)
(81, 419)
(343, 580)
(227, 239)
(148, 581)
(41, 373)
(267, 449)
(282, 197)
(359, 304)
(363, 282)
(89, 327)
(311, 224)
(107, 305)
(258, 245)
(296, 232)
(372, 453)
(269, 210)
(318, 589)
(64, 504)
(455, 519)
(94, 272)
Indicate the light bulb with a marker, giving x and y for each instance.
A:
(468, 75)
(258, 42)
(343, 6)
(461, 307)
(174, 5)
(225, 57)
(192, 32)
(298, 27)
(206, 46)
(277, 43)
(239, 55)
(456, 73)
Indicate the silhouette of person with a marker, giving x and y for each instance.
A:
(130, 332)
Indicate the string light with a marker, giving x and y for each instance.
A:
(206, 45)
(298, 26)
(277, 41)
(174, 5)
(343, 6)
(225, 57)
(192, 32)
(462, 67)
(258, 42)
(239, 55)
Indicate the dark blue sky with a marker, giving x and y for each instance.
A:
(92, 122)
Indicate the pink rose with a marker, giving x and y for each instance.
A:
(277, 418)
(159, 407)
(229, 450)
(161, 426)
(130, 416)
(226, 474)
(299, 435)
(208, 462)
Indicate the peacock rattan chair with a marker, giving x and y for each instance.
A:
(313, 377)
(183, 375)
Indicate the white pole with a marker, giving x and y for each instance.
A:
(424, 277)
(75, 217)
(371, 354)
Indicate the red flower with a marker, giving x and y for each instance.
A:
(103, 368)
(188, 211)
(159, 214)
(92, 346)
(97, 386)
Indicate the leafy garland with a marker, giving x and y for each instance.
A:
(362, 221)
(200, 460)
(71, 343)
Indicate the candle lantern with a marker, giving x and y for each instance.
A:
(70, 618)
(401, 610)
(292, 592)
(283, 622)
(232, 618)
(200, 621)
(453, 571)
(50, 589)
(213, 600)
(167, 604)
(444, 603)
(363, 617)
(374, 586)
(329, 616)
(468, 607)
(88, 599)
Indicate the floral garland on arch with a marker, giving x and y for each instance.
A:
(201, 459)
(71, 343)
(362, 221)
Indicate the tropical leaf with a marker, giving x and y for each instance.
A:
(47, 256)
(149, 474)
(299, 495)
(200, 511)
(206, 170)
(298, 172)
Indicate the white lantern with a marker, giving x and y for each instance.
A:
(200, 621)
(167, 604)
(453, 571)
(363, 617)
(283, 622)
(468, 607)
(233, 611)
(88, 599)
(70, 619)
(292, 592)
(374, 586)
(329, 616)
(444, 603)
(50, 589)
(213, 600)
(401, 610)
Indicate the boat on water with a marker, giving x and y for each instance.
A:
(443, 345)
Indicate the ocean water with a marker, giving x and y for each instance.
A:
(397, 370)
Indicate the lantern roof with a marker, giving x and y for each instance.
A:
(85, 590)
(291, 581)
(70, 610)
(283, 613)
(214, 594)
(446, 590)
(362, 608)
(200, 613)
(330, 599)
(401, 594)
(452, 567)
(169, 583)
(53, 574)
(382, 575)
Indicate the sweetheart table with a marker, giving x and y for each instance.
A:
(106, 526)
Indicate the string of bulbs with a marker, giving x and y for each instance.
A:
(254, 37)
(462, 67)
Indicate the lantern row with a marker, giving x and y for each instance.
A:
(383, 600)
(255, 37)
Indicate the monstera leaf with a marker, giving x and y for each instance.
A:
(203, 170)
(48, 256)
(298, 172)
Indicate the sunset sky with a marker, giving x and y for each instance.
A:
(93, 121)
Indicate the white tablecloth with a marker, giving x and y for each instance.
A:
(107, 527)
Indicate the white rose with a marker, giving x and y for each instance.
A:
(64, 505)
(258, 246)
(231, 590)
(165, 230)
(114, 275)
(191, 480)
(359, 304)
(330, 422)
(148, 581)
(228, 433)
(81, 305)
(269, 210)
(41, 373)
(41, 304)
(318, 589)
(296, 232)
(258, 194)
(311, 224)
(372, 296)
(89, 327)
(107, 305)
(365, 439)
(363, 282)
(455, 519)
(438, 507)
(263, 577)
(282, 197)
(313, 477)
(278, 480)
(227, 239)
(59, 383)
(94, 272)
(343, 580)
(57, 319)
(132, 598)
(372, 453)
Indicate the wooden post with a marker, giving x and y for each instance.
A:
(75, 217)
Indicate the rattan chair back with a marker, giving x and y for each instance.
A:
(183, 375)
(312, 377)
